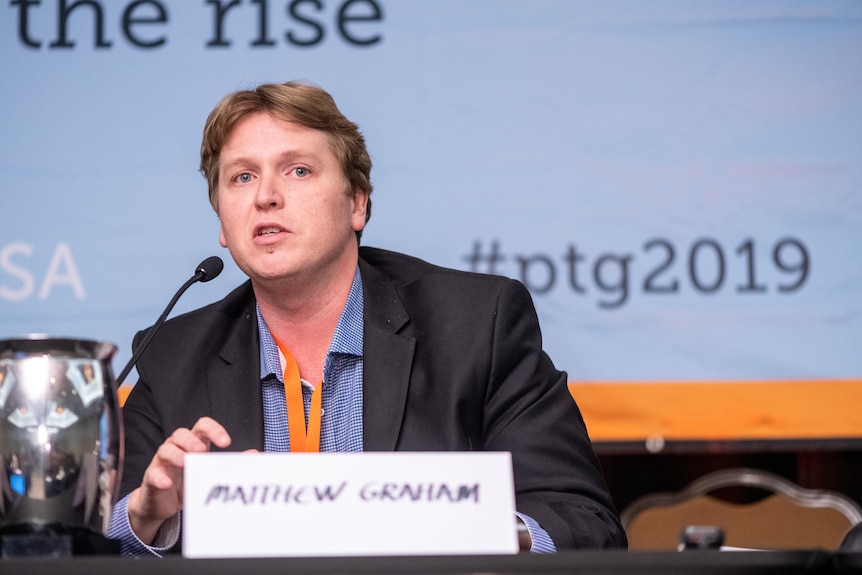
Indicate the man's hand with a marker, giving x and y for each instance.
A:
(160, 496)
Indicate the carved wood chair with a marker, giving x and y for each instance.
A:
(789, 517)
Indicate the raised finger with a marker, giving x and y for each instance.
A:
(188, 441)
(211, 431)
(171, 455)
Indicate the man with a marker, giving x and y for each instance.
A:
(392, 352)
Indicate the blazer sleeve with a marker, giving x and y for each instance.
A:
(530, 413)
(142, 430)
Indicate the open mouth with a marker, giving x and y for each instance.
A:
(264, 231)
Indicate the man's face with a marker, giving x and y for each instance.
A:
(283, 206)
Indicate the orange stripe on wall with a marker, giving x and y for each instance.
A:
(794, 409)
(634, 411)
(123, 393)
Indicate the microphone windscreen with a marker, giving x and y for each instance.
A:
(210, 268)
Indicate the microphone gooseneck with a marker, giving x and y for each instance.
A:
(207, 270)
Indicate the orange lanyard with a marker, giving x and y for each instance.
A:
(301, 440)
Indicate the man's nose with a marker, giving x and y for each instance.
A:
(269, 192)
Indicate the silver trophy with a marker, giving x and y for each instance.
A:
(60, 446)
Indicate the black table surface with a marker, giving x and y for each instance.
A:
(593, 562)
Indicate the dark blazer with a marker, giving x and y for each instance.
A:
(453, 361)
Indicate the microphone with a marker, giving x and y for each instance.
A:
(208, 269)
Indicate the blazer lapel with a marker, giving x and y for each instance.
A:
(234, 377)
(387, 361)
(234, 383)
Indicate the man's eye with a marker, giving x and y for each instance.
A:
(244, 178)
(301, 172)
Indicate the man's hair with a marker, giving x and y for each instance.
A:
(297, 102)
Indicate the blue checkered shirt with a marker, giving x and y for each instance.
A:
(341, 399)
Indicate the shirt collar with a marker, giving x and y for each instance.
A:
(346, 340)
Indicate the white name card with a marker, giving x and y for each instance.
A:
(327, 504)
